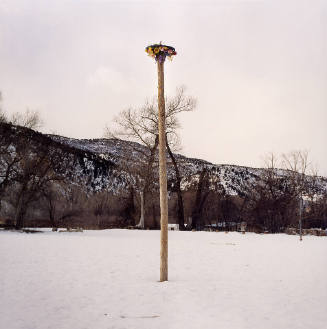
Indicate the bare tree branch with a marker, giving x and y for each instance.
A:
(29, 119)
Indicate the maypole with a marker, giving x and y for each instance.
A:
(159, 52)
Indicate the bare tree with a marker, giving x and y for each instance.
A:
(141, 125)
(297, 164)
(270, 198)
(9, 157)
(275, 199)
(27, 167)
(29, 119)
(55, 195)
(51, 195)
(100, 205)
(38, 166)
(202, 193)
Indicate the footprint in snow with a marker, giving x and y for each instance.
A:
(140, 317)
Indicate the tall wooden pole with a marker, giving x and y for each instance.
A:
(160, 52)
(163, 175)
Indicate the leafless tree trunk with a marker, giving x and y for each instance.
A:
(141, 223)
(50, 196)
(180, 203)
(149, 175)
(200, 198)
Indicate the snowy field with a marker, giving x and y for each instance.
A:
(109, 279)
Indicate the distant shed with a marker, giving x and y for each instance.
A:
(173, 227)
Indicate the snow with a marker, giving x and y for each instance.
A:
(108, 279)
(126, 154)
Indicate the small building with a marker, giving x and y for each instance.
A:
(173, 227)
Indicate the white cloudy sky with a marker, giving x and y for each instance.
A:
(257, 68)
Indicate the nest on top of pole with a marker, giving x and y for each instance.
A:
(159, 52)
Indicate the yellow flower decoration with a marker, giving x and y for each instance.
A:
(160, 52)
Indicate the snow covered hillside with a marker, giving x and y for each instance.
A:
(128, 154)
(115, 165)
(231, 179)
(108, 279)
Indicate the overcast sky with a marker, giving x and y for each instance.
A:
(257, 68)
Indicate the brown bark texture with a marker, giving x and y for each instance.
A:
(163, 176)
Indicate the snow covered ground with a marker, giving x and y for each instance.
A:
(108, 279)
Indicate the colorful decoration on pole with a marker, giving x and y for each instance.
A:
(159, 52)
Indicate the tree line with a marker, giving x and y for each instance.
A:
(38, 183)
